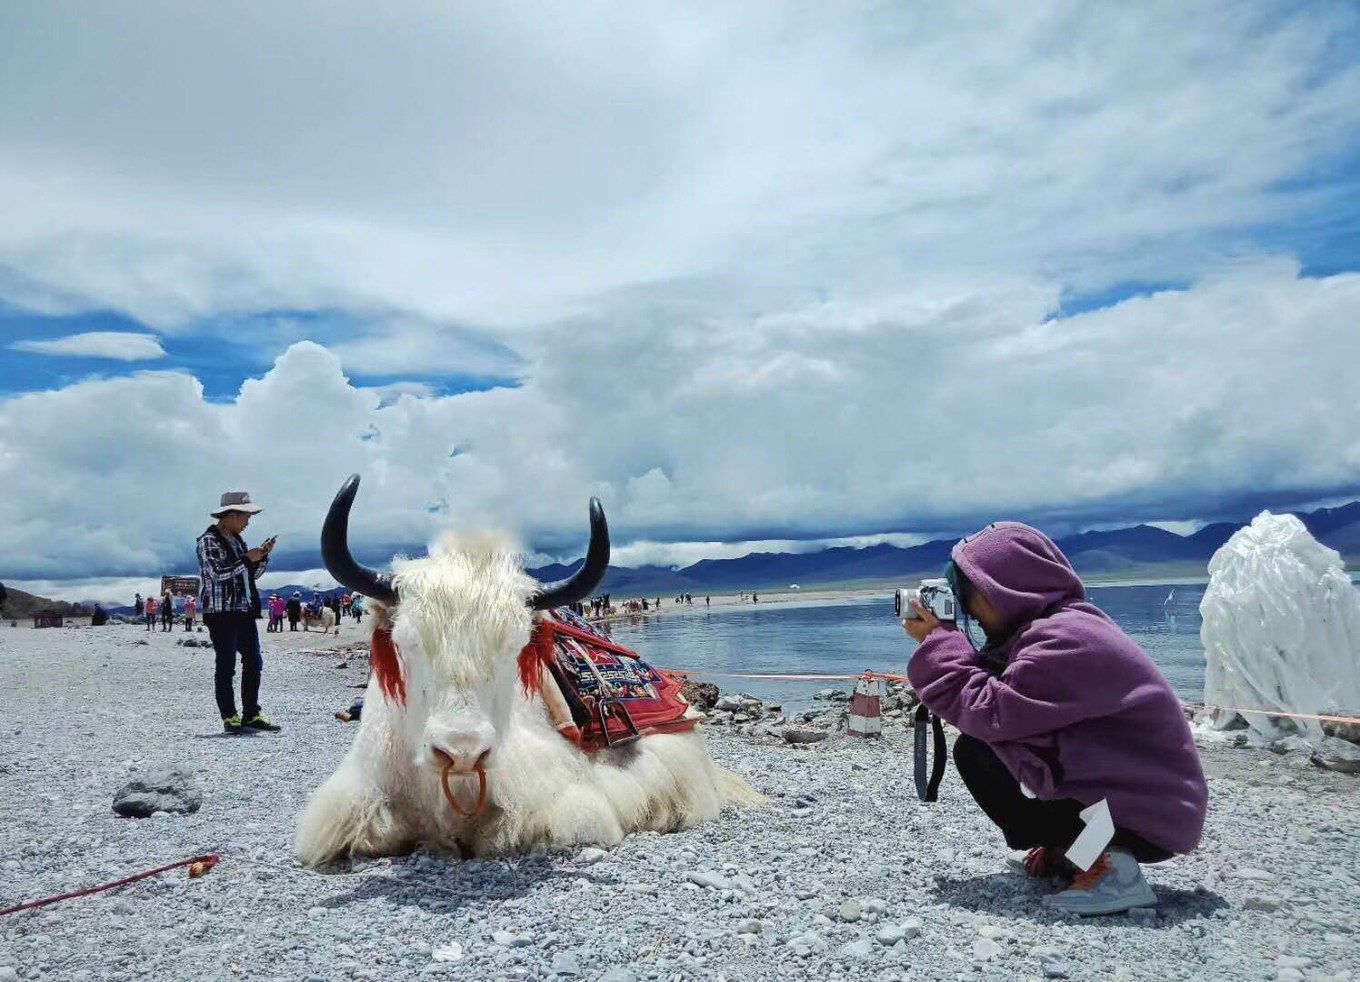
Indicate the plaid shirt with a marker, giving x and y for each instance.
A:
(226, 574)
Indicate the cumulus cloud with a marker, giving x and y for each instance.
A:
(115, 345)
(757, 274)
(1169, 408)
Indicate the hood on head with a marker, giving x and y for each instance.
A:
(1019, 570)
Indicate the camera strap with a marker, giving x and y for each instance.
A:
(928, 790)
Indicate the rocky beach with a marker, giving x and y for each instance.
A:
(844, 875)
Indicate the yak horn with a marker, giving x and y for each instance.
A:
(579, 585)
(336, 555)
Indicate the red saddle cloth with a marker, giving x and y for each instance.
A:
(612, 694)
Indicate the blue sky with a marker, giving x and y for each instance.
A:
(757, 280)
(221, 353)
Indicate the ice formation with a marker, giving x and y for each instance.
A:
(1281, 629)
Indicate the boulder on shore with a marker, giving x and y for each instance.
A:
(700, 695)
(1336, 754)
(168, 789)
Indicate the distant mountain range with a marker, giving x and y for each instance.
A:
(1128, 553)
(21, 606)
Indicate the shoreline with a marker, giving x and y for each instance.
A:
(842, 594)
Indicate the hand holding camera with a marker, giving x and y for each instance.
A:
(924, 609)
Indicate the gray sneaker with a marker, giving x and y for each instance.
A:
(1113, 885)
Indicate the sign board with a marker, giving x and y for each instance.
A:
(180, 586)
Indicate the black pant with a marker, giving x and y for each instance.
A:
(1029, 822)
(232, 634)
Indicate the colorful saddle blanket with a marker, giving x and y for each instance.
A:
(608, 694)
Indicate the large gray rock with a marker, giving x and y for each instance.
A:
(1342, 731)
(803, 734)
(168, 789)
(1336, 754)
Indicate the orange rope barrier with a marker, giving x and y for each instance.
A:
(888, 677)
(1277, 712)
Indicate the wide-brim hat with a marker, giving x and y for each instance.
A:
(236, 501)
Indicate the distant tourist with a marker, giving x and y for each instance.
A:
(150, 613)
(137, 605)
(167, 610)
(231, 606)
(356, 607)
(354, 713)
(1059, 698)
(190, 612)
(276, 608)
(294, 608)
(100, 616)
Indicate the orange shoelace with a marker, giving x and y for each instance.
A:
(1087, 880)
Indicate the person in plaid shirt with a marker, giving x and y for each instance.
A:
(231, 605)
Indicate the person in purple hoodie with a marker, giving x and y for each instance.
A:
(1059, 710)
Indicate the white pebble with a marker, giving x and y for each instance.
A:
(985, 949)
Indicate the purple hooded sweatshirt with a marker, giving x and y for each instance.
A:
(1080, 711)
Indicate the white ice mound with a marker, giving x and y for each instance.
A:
(1281, 629)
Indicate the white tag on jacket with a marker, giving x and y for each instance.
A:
(1026, 791)
(1095, 837)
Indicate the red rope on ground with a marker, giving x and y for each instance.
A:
(203, 864)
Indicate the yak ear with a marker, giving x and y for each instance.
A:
(579, 585)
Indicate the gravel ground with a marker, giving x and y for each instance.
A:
(844, 875)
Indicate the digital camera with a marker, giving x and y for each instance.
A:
(934, 595)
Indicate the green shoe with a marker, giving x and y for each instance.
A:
(258, 722)
(232, 724)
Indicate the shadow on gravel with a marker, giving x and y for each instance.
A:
(1005, 895)
(446, 885)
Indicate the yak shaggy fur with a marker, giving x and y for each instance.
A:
(461, 622)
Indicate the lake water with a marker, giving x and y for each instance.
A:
(849, 636)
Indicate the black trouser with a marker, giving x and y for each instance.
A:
(1029, 822)
(292, 622)
(234, 634)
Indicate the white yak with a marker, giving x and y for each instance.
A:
(450, 702)
(324, 620)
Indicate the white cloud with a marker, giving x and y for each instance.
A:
(485, 165)
(116, 345)
(1161, 408)
(761, 275)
